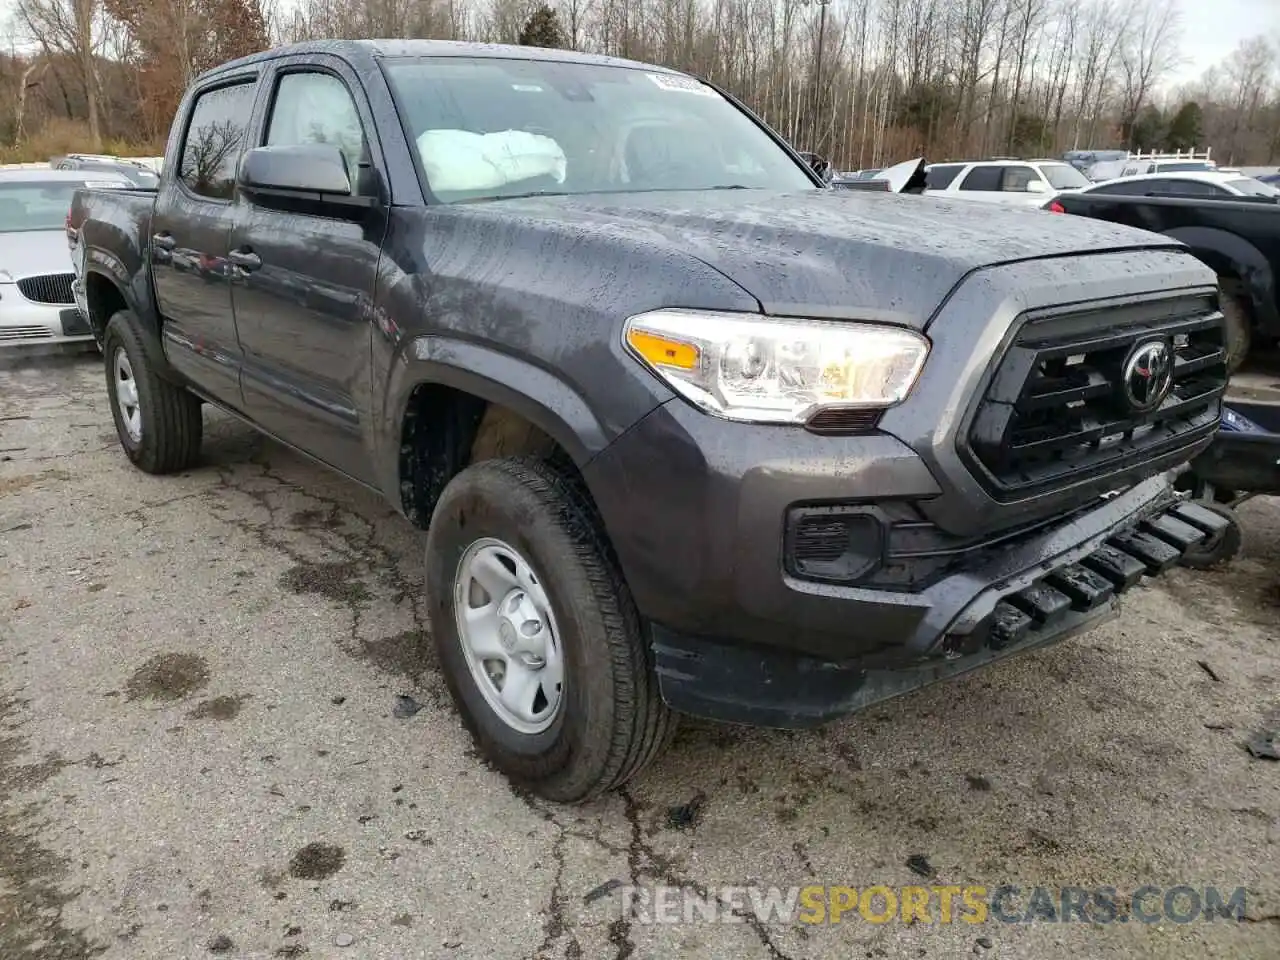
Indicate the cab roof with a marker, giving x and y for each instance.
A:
(362, 53)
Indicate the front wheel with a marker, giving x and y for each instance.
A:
(537, 635)
(158, 422)
(1237, 318)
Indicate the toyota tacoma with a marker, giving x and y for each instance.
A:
(687, 430)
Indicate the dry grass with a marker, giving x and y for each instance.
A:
(58, 137)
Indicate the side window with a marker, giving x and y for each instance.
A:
(1015, 179)
(1136, 188)
(316, 108)
(214, 137)
(986, 179)
(939, 178)
(1180, 188)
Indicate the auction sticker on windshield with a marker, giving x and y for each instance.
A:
(680, 84)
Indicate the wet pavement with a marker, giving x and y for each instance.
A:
(204, 750)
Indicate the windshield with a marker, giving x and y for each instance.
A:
(1175, 167)
(1061, 176)
(1253, 188)
(35, 205)
(489, 128)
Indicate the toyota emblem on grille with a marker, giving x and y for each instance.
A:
(1148, 375)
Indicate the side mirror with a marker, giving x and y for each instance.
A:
(1037, 186)
(314, 172)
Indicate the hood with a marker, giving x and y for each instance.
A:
(833, 253)
(33, 252)
(909, 173)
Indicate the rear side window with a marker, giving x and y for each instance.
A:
(1182, 188)
(214, 139)
(1135, 188)
(939, 178)
(983, 178)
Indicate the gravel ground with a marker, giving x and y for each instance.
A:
(201, 755)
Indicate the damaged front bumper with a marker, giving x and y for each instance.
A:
(1048, 589)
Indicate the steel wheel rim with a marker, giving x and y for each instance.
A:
(508, 634)
(127, 395)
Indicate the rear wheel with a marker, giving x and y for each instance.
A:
(158, 422)
(538, 638)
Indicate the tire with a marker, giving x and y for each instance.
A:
(610, 721)
(1220, 547)
(169, 426)
(1237, 316)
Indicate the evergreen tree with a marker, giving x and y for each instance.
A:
(543, 29)
(1186, 128)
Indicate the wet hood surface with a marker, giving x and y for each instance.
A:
(829, 253)
(33, 252)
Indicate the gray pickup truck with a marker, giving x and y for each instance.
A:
(688, 432)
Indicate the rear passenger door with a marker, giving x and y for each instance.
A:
(304, 310)
(190, 229)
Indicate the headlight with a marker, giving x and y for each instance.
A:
(763, 370)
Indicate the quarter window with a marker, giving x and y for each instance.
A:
(939, 178)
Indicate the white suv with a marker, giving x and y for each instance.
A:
(1018, 183)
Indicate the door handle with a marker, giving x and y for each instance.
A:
(163, 241)
(245, 259)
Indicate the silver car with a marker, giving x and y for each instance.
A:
(37, 305)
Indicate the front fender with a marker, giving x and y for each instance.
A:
(539, 396)
(1228, 253)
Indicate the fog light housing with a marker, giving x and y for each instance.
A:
(832, 544)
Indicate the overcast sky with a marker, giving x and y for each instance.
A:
(1211, 29)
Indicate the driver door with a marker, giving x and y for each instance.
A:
(305, 282)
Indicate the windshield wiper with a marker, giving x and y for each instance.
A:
(516, 196)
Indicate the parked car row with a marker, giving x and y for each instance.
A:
(1229, 220)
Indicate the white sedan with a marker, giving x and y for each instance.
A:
(36, 301)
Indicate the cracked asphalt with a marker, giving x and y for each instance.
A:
(204, 751)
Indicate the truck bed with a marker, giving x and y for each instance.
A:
(116, 220)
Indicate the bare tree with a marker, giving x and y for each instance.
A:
(73, 30)
(1147, 56)
(895, 79)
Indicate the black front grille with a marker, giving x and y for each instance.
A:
(50, 288)
(1056, 412)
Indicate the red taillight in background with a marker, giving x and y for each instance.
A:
(1055, 207)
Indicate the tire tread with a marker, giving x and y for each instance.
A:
(173, 425)
(643, 724)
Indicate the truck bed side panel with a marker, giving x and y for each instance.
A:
(111, 248)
